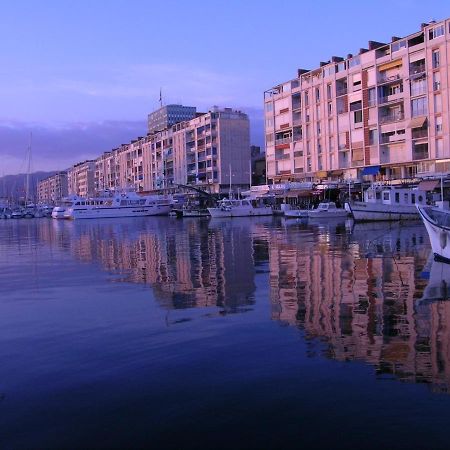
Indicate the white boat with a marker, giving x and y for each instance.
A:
(437, 223)
(196, 212)
(114, 205)
(240, 208)
(296, 213)
(17, 214)
(327, 210)
(388, 203)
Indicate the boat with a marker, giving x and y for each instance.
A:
(240, 208)
(437, 224)
(296, 214)
(5, 213)
(438, 286)
(327, 210)
(388, 203)
(17, 214)
(114, 205)
(195, 212)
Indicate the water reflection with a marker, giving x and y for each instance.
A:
(358, 292)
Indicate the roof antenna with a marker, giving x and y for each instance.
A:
(160, 97)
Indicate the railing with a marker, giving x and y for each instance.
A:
(283, 141)
(343, 147)
(391, 98)
(420, 155)
(384, 78)
(341, 91)
(392, 117)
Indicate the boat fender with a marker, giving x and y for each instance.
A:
(443, 239)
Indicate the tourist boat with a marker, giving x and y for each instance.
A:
(115, 205)
(327, 210)
(437, 223)
(388, 203)
(240, 208)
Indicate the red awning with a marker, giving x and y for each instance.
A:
(428, 185)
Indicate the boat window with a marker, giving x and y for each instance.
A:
(413, 198)
(397, 197)
(123, 203)
(378, 195)
(142, 202)
(245, 202)
(405, 197)
(83, 203)
(420, 199)
(385, 195)
(77, 203)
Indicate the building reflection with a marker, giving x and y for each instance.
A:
(187, 263)
(356, 296)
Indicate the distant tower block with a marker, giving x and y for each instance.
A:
(169, 115)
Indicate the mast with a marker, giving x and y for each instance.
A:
(229, 193)
(27, 185)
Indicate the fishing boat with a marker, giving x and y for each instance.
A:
(437, 224)
(388, 203)
(240, 208)
(114, 205)
(327, 210)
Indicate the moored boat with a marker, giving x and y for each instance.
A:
(327, 210)
(115, 205)
(437, 224)
(240, 208)
(296, 214)
(388, 203)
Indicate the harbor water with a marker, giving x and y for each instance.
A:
(242, 333)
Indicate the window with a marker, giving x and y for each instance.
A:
(439, 124)
(269, 107)
(395, 89)
(372, 96)
(317, 95)
(354, 62)
(419, 107)
(439, 148)
(357, 115)
(329, 91)
(436, 59)
(418, 87)
(328, 71)
(436, 32)
(318, 112)
(318, 128)
(397, 197)
(269, 123)
(306, 98)
(398, 45)
(330, 108)
(354, 106)
(373, 137)
(436, 81)
(340, 67)
(437, 103)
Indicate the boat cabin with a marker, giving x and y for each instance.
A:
(395, 196)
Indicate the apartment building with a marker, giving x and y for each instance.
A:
(53, 189)
(80, 178)
(169, 115)
(382, 112)
(210, 150)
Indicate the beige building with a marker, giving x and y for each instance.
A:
(53, 189)
(383, 111)
(80, 178)
(203, 151)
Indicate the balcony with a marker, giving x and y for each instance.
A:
(390, 139)
(383, 78)
(393, 117)
(420, 155)
(341, 91)
(415, 69)
(394, 98)
(419, 133)
(283, 141)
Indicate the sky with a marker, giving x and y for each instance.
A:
(83, 75)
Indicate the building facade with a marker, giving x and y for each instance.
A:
(384, 112)
(80, 179)
(53, 189)
(212, 150)
(169, 115)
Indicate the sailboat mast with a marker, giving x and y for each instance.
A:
(27, 185)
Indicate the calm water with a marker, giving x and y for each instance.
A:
(243, 333)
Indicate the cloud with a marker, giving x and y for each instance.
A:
(57, 145)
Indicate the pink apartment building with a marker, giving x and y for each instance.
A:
(382, 112)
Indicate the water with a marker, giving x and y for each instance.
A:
(242, 333)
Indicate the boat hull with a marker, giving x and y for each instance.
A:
(314, 214)
(296, 214)
(240, 212)
(367, 212)
(439, 236)
(117, 212)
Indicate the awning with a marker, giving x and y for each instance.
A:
(390, 65)
(299, 193)
(417, 122)
(321, 174)
(372, 170)
(428, 185)
(337, 173)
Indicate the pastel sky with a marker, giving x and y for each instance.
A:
(83, 75)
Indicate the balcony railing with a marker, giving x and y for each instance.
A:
(395, 117)
(419, 134)
(420, 155)
(283, 141)
(341, 91)
(414, 70)
(385, 78)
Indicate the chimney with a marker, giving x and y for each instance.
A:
(349, 56)
(395, 38)
(336, 59)
(363, 50)
(301, 72)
